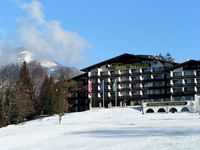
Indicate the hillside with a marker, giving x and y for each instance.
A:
(113, 129)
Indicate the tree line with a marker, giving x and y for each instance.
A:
(28, 91)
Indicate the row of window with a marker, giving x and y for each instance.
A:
(129, 93)
(184, 89)
(146, 70)
(130, 78)
(185, 73)
(186, 81)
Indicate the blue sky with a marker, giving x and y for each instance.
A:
(113, 27)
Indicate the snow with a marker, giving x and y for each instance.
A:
(25, 56)
(105, 129)
(48, 64)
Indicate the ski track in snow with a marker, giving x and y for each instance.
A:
(105, 129)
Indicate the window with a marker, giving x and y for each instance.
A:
(136, 93)
(135, 70)
(146, 70)
(113, 79)
(198, 81)
(189, 81)
(125, 93)
(179, 98)
(94, 80)
(147, 77)
(149, 92)
(104, 73)
(157, 69)
(114, 72)
(149, 84)
(94, 73)
(158, 76)
(198, 72)
(189, 89)
(157, 84)
(178, 89)
(125, 71)
(189, 73)
(136, 78)
(125, 78)
(189, 97)
(177, 82)
(177, 74)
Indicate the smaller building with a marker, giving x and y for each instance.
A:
(184, 90)
(172, 106)
(79, 101)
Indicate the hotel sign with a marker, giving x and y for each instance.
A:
(130, 67)
(174, 103)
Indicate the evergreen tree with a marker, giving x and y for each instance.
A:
(51, 97)
(38, 74)
(25, 79)
(168, 57)
(24, 106)
(2, 121)
(9, 97)
(25, 86)
(43, 98)
(161, 57)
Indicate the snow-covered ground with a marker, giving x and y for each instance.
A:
(105, 129)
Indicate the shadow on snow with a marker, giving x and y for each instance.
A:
(139, 132)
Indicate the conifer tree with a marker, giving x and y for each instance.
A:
(26, 88)
(1, 109)
(51, 98)
(43, 98)
(168, 57)
(25, 79)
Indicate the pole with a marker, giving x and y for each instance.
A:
(116, 98)
(90, 91)
(90, 101)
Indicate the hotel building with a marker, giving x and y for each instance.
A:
(141, 80)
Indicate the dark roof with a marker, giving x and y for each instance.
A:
(80, 76)
(125, 58)
(187, 64)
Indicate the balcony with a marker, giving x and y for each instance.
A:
(125, 89)
(177, 84)
(190, 84)
(136, 72)
(189, 74)
(157, 70)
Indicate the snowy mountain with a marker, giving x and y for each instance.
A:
(51, 66)
(25, 55)
(105, 129)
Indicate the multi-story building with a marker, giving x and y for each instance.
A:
(185, 80)
(141, 79)
(80, 101)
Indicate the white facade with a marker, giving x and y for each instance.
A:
(189, 106)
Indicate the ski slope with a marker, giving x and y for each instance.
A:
(105, 129)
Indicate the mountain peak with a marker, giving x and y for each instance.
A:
(25, 56)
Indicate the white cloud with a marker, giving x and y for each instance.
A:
(34, 10)
(45, 39)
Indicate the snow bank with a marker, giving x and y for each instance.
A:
(113, 129)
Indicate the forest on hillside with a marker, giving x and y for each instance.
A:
(28, 91)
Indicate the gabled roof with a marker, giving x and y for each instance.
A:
(187, 64)
(124, 58)
(80, 76)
